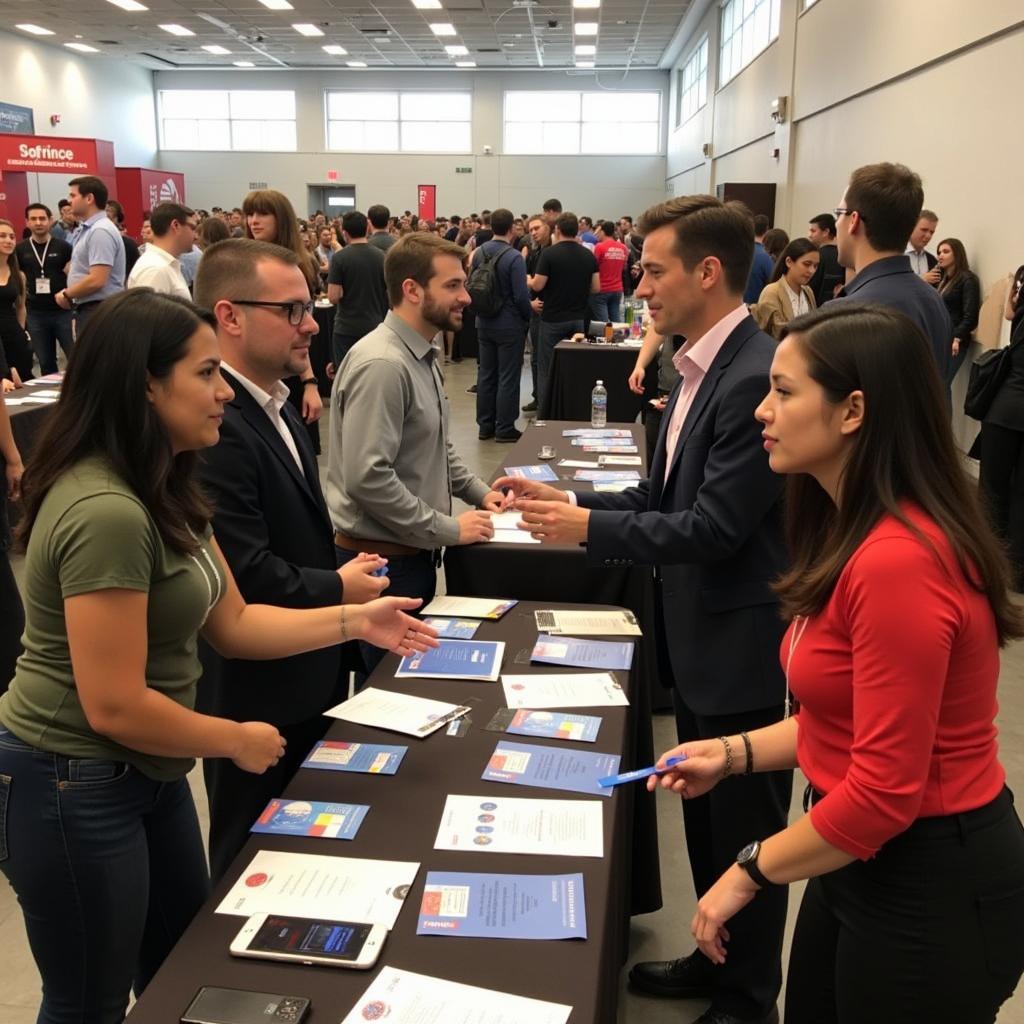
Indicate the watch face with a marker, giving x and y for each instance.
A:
(748, 853)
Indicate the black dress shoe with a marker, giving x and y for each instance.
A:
(530, 406)
(484, 436)
(509, 438)
(713, 1016)
(689, 977)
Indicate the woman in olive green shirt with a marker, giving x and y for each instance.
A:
(98, 832)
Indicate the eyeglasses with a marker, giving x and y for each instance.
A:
(296, 310)
(840, 210)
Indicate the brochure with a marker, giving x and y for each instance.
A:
(625, 449)
(503, 906)
(455, 659)
(566, 690)
(587, 623)
(565, 650)
(577, 771)
(542, 472)
(370, 758)
(553, 725)
(608, 442)
(454, 629)
(469, 607)
(619, 460)
(398, 712)
(604, 476)
(311, 818)
(597, 432)
(613, 486)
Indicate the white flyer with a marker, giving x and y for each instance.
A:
(512, 537)
(564, 690)
(399, 712)
(587, 623)
(402, 997)
(486, 824)
(468, 607)
(325, 888)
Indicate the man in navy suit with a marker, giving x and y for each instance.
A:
(708, 518)
(271, 522)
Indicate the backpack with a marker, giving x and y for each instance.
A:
(987, 376)
(482, 284)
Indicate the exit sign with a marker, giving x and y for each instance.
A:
(463, 170)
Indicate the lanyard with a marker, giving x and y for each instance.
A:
(799, 625)
(41, 259)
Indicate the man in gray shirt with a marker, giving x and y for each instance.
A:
(378, 217)
(392, 471)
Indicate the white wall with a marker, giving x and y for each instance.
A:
(97, 98)
(598, 186)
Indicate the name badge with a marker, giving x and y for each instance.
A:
(42, 286)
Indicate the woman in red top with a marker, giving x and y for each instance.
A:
(899, 603)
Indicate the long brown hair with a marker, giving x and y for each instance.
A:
(269, 200)
(960, 265)
(12, 262)
(904, 451)
(103, 410)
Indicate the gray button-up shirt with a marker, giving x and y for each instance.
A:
(391, 470)
(97, 242)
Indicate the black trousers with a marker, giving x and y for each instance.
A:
(718, 825)
(1002, 488)
(237, 798)
(930, 929)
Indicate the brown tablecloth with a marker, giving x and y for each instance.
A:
(401, 825)
(575, 369)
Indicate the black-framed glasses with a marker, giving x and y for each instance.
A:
(296, 310)
(840, 210)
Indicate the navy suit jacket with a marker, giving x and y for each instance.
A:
(272, 524)
(713, 526)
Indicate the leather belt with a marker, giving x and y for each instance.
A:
(375, 547)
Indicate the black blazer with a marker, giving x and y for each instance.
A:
(963, 302)
(828, 274)
(272, 524)
(713, 526)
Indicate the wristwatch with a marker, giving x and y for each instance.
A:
(747, 859)
(310, 380)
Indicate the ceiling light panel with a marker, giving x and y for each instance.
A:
(585, 28)
(456, 51)
(277, 5)
(128, 5)
(177, 30)
(216, 49)
(82, 47)
(34, 30)
(307, 28)
(443, 28)
(585, 50)
(335, 50)
(427, 5)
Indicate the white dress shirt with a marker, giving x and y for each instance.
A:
(158, 269)
(918, 260)
(797, 300)
(271, 404)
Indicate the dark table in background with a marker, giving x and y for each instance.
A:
(577, 366)
(401, 825)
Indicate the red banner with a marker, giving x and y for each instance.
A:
(47, 154)
(139, 189)
(427, 201)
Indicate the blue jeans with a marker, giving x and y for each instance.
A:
(48, 327)
(605, 306)
(408, 576)
(548, 337)
(501, 365)
(108, 867)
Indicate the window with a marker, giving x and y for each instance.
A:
(253, 119)
(407, 122)
(572, 123)
(748, 26)
(692, 84)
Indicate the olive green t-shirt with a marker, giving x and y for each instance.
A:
(93, 533)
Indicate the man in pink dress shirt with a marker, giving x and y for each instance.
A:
(708, 519)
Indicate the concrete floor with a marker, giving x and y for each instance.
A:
(654, 936)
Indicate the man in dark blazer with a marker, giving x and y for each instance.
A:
(708, 518)
(271, 522)
(874, 220)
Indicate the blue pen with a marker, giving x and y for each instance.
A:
(382, 571)
(640, 773)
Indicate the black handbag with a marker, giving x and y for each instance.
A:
(987, 375)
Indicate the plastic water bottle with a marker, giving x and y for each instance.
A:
(599, 405)
(636, 327)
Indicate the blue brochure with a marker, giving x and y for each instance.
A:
(565, 650)
(503, 906)
(555, 725)
(371, 758)
(532, 472)
(311, 818)
(455, 659)
(454, 629)
(577, 771)
(597, 432)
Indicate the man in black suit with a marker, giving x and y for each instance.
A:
(272, 524)
(708, 518)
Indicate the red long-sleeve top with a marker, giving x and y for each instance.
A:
(896, 679)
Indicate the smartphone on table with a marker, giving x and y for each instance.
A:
(213, 1005)
(310, 941)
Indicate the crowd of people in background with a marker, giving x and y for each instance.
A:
(174, 503)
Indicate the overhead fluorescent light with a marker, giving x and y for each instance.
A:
(582, 5)
(585, 28)
(216, 49)
(82, 47)
(243, 64)
(307, 28)
(465, 63)
(128, 5)
(427, 5)
(277, 5)
(178, 30)
(334, 50)
(455, 50)
(35, 30)
(443, 28)
(356, 63)
(585, 50)
(584, 63)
